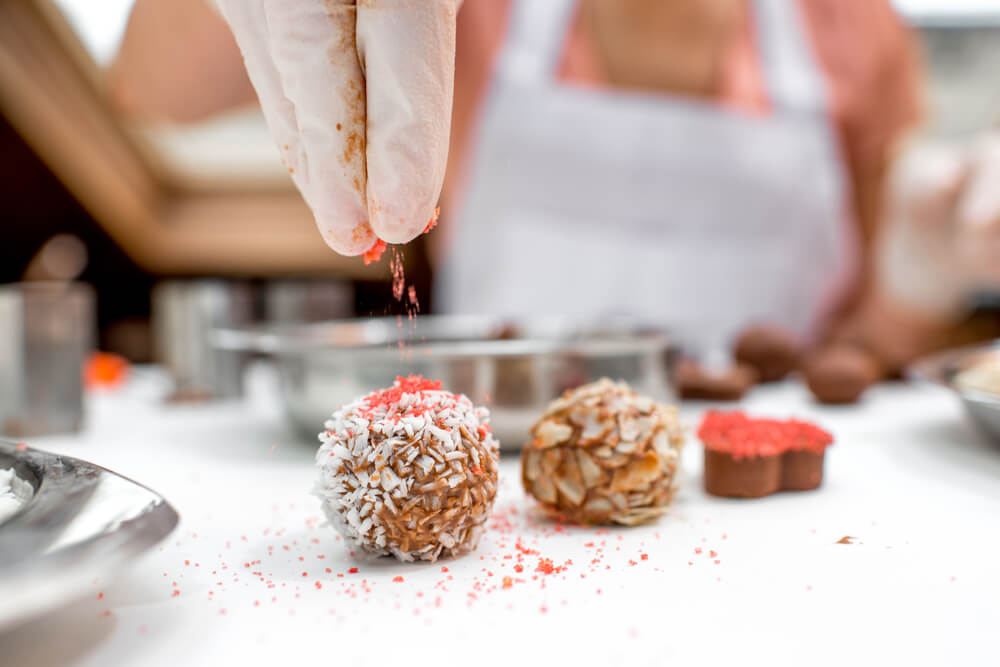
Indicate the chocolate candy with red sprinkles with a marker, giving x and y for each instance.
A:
(749, 457)
(409, 471)
(602, 453)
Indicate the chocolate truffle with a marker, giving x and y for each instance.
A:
(409, 471)
(840, 373)
(772, 351)
(694, 382)
(602, 453)
(750, 458)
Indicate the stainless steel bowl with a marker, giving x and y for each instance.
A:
(513, 368)
(942, 368)
(81, 523)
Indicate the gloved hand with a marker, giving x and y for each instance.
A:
(942, 234)
(357, 95)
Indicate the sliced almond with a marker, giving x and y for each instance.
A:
(551, 459)
(628, 428)
(569, 481)
(551, 433)
(618, 500)
(598, 505)
(532, 463)
(626, 447)
(639, 516)
(544, 490)
(593, 475)
(637, 474)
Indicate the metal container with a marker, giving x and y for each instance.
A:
(515, 370)
(942, 368)
(300, 301)
(81, 524)
(46, 332)
(184, 313)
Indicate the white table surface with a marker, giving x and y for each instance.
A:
(243, 579)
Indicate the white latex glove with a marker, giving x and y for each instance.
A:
(942, 235)
(357, 95)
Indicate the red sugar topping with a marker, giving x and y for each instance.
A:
(387, 398)
(746, 437)
(375, 253)
(434, 220)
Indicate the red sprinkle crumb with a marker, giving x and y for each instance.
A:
(398, 579)
(353, 570)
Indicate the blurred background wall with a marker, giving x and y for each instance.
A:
(961, 41)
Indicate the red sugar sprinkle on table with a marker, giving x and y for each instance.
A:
(712, 554)
(398, 579)
(353, 570)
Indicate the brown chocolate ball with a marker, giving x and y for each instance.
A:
(772, 351)
(840, 373)
(694, 382)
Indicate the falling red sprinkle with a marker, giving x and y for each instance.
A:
(175, 593)
(374, 253)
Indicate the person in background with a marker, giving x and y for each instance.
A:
(705, 165)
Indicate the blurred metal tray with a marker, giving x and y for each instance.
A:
(514, 368)
(82, 522)
(941, 369)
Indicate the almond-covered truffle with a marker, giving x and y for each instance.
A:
(409, 471)
(603, 453)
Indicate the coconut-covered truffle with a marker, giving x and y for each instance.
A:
(602, 453)
(410, 471)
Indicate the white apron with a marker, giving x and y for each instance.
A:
(589, 204)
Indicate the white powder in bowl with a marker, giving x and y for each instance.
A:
(14, 492)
